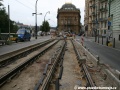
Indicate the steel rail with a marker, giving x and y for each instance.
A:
(10, 57)
(20, 67)
(85, 70)
(49, 76)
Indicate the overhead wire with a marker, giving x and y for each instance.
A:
(24, 5)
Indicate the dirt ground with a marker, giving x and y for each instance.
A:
(27, 79)
(71, 70)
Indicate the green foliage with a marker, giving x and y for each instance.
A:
(45, 26)
(4, 22)
(1, 3)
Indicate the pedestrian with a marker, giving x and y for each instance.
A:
(82, 39)
(74, 35)
(65, 37)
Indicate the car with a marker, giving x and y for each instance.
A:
(14, 38)
(23, 34)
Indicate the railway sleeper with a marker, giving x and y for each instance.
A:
(45, 70)
(22, 54)
(57, 84)
(55, 61)
(40, 82)
(60, 73)
(13, 72)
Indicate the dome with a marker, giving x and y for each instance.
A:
(68, 6)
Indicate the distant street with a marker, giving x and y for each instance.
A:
(107, 55)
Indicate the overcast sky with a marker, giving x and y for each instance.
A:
(21, 10)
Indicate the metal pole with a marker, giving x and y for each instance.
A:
(96, 25)
(45, 15)
(109, 12)
(114, 43)
(102, 40)
(107, 41)
(36, 20)
(9, 19)
(98, 36)
(44, 18)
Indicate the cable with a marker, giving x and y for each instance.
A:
(24, 5)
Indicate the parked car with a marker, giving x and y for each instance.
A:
(14, 37)
(23, 34)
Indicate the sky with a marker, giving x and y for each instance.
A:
(21, 10)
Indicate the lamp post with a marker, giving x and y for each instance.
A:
(96, 27)
(46, 14)
(109, 23)
(36, 19)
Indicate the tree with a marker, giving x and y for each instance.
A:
(1, 3)
(4, 22)
(45, 27)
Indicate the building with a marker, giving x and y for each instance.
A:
(68, 19)
(96, 17)
(115, 18)
(86, 18)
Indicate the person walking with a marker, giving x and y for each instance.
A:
(65, 37)
(74, 35)
(82, 39)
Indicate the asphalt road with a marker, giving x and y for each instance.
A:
(16, 46)
(107, 55)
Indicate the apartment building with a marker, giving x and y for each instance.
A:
(115, 18)
(96, 16)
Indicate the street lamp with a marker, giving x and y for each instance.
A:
(109, 23)
(96, 26)
(36, 19)
(46, 14)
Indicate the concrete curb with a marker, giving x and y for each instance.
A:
(89, 55)
(113, 81)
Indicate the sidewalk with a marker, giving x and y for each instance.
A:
(117, 43)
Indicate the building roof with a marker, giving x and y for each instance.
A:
(68, 6)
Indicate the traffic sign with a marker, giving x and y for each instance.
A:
(109, 23)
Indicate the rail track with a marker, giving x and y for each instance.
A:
(11, 73)
(63, 71)
(8, 58)
(53, 72)
(90, 82)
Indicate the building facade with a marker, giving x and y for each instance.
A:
(68, 19)
(115, 18)
(86, 18)
(96, 16)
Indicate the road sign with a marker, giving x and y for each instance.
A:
(109, 23)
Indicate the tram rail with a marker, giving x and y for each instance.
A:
(9, 75)
(84, 68)
(12, 56)
(46, 79)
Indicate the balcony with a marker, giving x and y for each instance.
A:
(93, 13)
(93, 21)
(90, 22)
(103, 0)
(105, 19)
(100, 19)
(91, 0)
(92, 6)
(103, 9)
